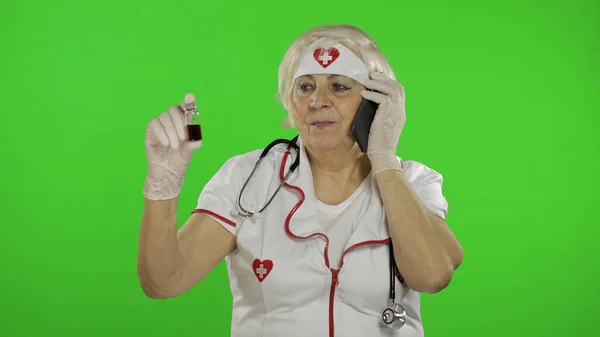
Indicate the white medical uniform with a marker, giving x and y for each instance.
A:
(303, 268)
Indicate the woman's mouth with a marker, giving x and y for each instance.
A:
(322, 124)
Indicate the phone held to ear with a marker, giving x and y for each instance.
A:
(361, 124)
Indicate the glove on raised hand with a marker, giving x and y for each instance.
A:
(387, 124)
(169, 153)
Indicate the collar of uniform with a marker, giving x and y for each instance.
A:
(371, 226)
(303, 221)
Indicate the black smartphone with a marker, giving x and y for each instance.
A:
(361, 124)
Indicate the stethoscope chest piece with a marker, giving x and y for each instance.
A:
(395, 316)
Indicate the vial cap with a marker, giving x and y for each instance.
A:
(190, 106)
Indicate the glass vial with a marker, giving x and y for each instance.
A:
(192, 118)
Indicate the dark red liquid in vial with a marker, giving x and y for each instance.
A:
(195, 132)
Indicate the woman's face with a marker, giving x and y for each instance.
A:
(324, 108)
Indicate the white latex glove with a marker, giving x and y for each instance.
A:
(387, 124)
(169, 153)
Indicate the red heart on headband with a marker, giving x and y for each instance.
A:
(325, 57)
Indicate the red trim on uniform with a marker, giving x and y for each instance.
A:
(364, 243)
(334, 271)
(295, 208)
(214, 215)
(372, 242)
(334, 283)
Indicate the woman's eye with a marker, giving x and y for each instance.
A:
(305, 87)
(340, 87)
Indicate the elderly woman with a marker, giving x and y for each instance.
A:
(318, 259)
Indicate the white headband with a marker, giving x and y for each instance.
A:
(337, 60)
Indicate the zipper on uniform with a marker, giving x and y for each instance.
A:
(334, 283)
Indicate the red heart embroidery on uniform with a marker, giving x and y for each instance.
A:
(262, 268)
(325, 57)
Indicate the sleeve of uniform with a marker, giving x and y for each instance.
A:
(219, 196)
(427, 183)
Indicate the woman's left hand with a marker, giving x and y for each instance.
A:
(388, 122)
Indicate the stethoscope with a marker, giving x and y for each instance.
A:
(394, 316)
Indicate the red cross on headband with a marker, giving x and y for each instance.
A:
(337, 60)
(326, 57)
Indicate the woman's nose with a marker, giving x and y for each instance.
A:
(320, 100)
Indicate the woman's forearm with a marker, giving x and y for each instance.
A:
(426, 253)
(159, 258)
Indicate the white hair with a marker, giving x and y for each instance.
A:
(326, 36)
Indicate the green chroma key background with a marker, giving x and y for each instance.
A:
(502, 99)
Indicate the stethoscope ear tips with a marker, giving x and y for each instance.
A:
(394, 317)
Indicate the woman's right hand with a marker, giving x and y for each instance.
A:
(169, 152)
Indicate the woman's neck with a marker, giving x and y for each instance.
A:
(336, 175)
